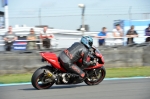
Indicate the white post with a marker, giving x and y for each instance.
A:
(6, 17)
(129, 12)
(83, 26)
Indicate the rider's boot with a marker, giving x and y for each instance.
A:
(78, 77)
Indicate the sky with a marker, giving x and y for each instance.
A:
(65, 14)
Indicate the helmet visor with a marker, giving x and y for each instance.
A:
(90, 43)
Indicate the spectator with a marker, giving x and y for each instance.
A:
(118, 34)
(9, 38)
(147, 33)
(46, 37)
(32, 37)
(102, 35)
(131, 34)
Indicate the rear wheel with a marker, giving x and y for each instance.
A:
(39, 80)
(96, 77)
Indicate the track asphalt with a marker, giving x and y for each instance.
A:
(135, 88)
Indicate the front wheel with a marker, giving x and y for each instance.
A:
(96, 77)
(39, 80)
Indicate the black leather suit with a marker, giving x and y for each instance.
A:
(71, 55)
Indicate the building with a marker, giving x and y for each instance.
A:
(2, 19)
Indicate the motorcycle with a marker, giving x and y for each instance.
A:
(44, 77)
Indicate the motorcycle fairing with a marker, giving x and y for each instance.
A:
(52, 59)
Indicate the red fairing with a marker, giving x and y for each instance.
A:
(94, 67)
(100, 56)
(52, 59)
(98, 65)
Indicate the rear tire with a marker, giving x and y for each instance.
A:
(102, 73)
(38, 75)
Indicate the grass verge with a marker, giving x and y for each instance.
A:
(110, 73)
(128, 72)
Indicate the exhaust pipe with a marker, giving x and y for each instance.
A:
(49, 74)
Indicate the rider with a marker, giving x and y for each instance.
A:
(74, 53)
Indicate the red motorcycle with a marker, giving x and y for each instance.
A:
(44, 77)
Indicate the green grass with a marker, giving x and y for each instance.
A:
(110, 73)
(15, 78)
(128, 72)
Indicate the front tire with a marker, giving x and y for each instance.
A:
(37, 77)
(99, 77)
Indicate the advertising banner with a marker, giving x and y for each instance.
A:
(20, 45)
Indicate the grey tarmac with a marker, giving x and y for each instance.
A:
(108, 89)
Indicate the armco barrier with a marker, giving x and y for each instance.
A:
(114, 57)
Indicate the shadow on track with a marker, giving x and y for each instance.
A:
(28, 89)
(57, 87)
(66, 86)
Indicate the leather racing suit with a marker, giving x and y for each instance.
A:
(71, 55)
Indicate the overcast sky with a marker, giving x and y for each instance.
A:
(65, 14)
